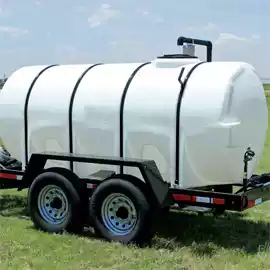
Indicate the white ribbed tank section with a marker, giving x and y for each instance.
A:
(48, 108)
(223, 111)
(12, 103)
(150, 118)
(96, 113)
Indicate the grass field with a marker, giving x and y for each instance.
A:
(189, 241)
(267, 86)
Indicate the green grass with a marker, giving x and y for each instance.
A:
(267, 86)
(183, 241)
(265, 161)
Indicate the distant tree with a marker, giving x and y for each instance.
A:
(2, 82)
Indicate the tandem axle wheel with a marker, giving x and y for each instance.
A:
(56, 204)
(118, 209)
(121, 212)
(53, 204)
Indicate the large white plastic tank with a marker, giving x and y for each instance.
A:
(223, 111)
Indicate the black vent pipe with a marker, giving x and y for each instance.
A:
(206, 43)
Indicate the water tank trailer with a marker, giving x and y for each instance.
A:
(113, 145)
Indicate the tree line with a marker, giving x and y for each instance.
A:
(2, 82)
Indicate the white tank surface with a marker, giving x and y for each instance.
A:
(222, 111)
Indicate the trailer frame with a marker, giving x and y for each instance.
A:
(251, 192)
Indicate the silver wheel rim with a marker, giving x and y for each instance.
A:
(53, 204)
(118, 214)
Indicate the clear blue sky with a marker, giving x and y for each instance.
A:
(81, 31)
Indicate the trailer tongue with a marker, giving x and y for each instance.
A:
(205, 140)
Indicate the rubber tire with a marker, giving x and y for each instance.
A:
(73, 222)
(81, 188)
(165, 211)
(142, 231)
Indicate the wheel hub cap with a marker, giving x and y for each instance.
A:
(53, 204)
(119, 214)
